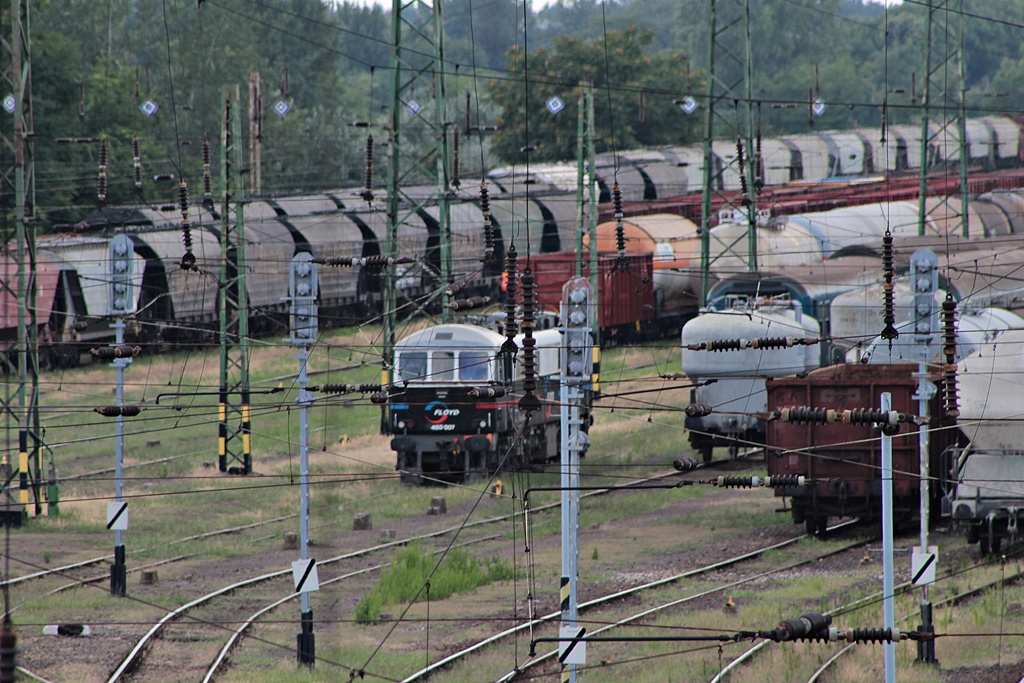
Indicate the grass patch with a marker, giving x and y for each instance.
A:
(411, 570)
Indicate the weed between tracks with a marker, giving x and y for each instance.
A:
(413, 569)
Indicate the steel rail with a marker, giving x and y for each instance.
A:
(599, 601)
(222, 655)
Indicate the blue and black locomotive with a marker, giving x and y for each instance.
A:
(454, 406)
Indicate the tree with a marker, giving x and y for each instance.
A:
(633, 96)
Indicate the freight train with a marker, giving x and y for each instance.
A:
(535, 208)
(993, 142)
(661, 292)
(974, 457)
(843, 297)
(976, 463)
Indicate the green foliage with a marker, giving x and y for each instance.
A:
(619, 59)
(119, 53)
(411, 570)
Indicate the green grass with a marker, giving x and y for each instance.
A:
(415, 576)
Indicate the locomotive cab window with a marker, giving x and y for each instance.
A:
(412, 365)
(474, 366)
(442, 365)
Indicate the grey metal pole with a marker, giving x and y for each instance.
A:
(924, 277)
(306, 639)
(925, 390)
(119, 570)
(304, 399)
(578, 313)
(888, 602)
(570, 481)
(303, 289)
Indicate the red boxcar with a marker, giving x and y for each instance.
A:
(46, 275)
(846, 459)
(625, 292)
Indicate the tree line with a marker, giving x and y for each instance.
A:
(94, 64)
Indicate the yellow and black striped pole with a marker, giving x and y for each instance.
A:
(23, 467)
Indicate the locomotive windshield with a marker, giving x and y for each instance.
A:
(412, 365)
(442, 365)
(474, 366)
(445, 366)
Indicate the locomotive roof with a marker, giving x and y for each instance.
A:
(453, 335)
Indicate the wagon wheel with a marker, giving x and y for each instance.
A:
(816, 525)
(990, 549)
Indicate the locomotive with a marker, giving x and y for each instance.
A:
(454, 406)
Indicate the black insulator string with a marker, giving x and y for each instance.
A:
(529, 402)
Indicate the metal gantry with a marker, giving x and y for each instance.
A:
(235, 435)
(17, 183)
(944, 119)
(586, 208)
(729, 114)
(417, 154)
(942, 103)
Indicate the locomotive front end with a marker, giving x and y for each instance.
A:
(448, 404)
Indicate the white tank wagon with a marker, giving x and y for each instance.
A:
(973, 330)
(978, 279)
(739, 387)
(987, 496)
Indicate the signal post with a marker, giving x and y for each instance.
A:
(577, 364)
(122, 303)
(304, 326)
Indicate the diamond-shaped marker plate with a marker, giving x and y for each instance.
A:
(688, 105)
(555, 104)
(282, 108)
(413, 107)
(818, 107)
(149, 107)
(10, 104)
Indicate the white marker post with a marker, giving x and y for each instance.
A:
(888, 602)
(122, 303)
(304, 326)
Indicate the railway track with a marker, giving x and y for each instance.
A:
(229, 604)
(902, 588)
(619, 595)
(68, 571)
